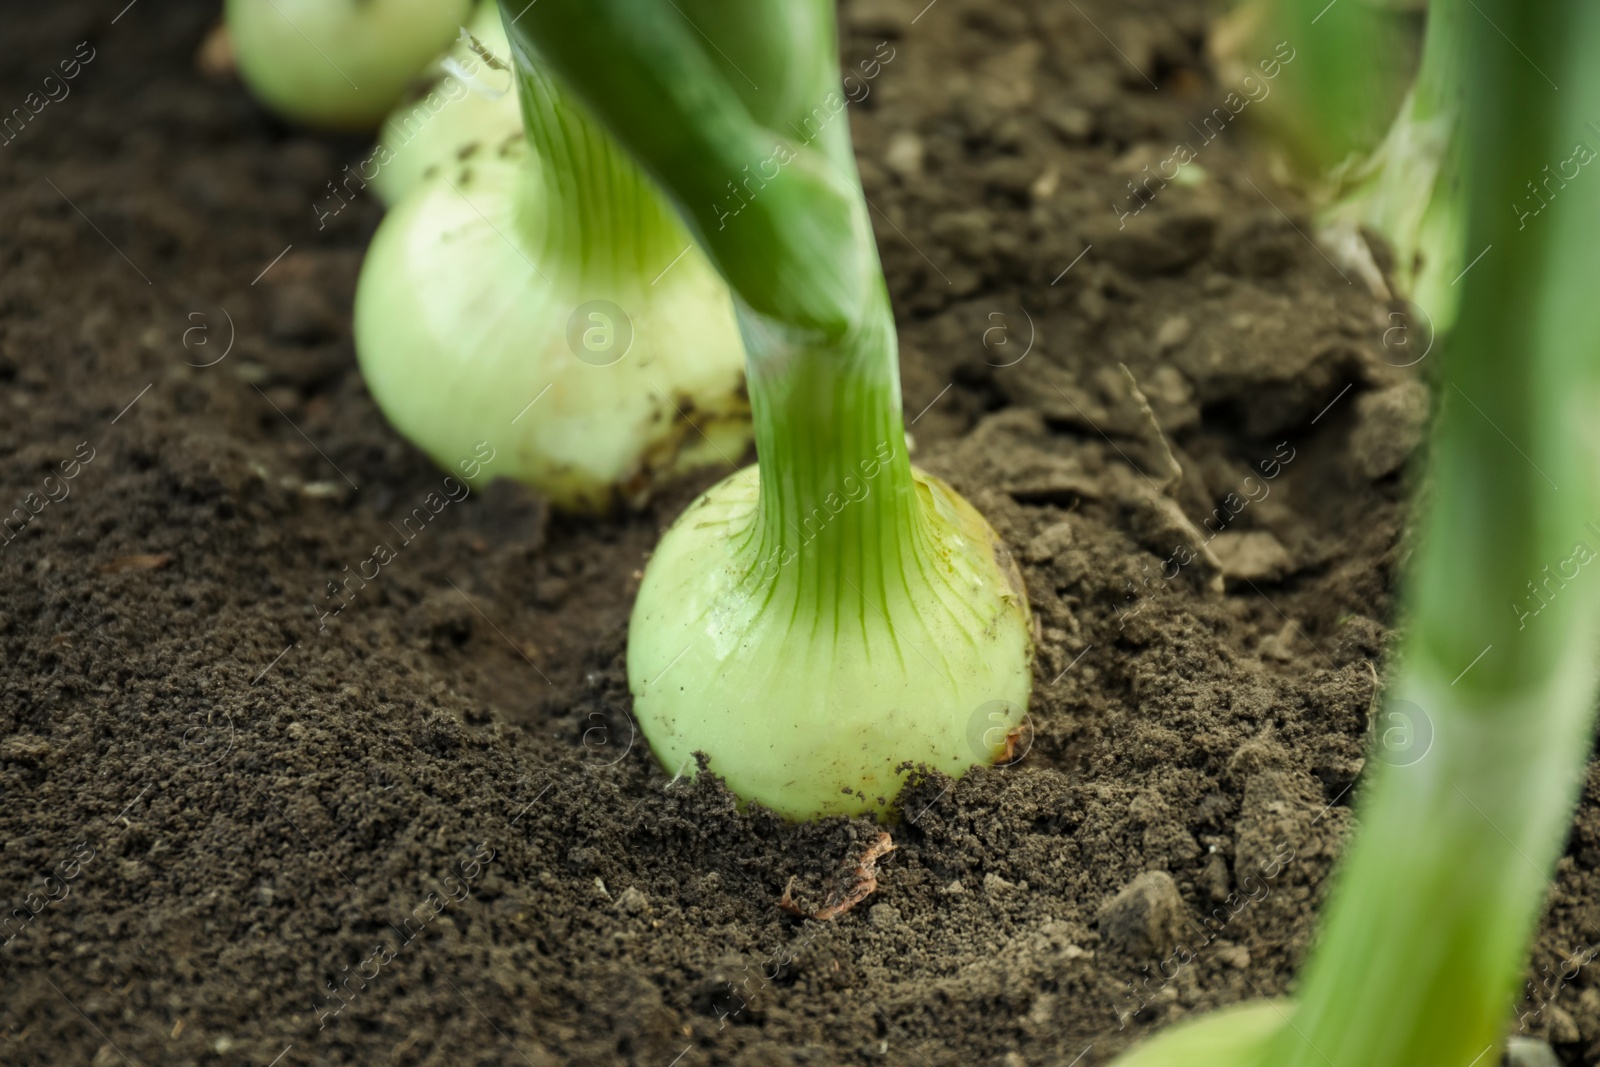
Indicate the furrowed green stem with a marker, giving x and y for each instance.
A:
(1438, 85)
(1347, 79)
(1425, 939)
(837, 492)
(1421, 211)
(787, 46)
(782, 216)
(772, 192)
(614, 222)
(1408, 190)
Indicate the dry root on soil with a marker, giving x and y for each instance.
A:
(863, 880)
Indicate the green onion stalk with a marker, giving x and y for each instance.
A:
(818, 622)
(1328, 108)
(531, 286)
(1377, 150)
(337, 64)
(1436, 900)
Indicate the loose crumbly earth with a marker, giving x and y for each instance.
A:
(237, 798)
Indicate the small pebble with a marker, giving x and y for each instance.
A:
(633, 902)
(1253, 556)
(993, 884)
(1530, 1052)
(1235, 956)
(1074, 124)
(1050, 543)
(904, 155)
(1390, 425)
(1172, 333)
(1563, 1030)
(1145, 918)
(1045, 185)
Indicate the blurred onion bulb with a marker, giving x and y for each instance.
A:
(468, 105)
(338, 64)
(539, 293)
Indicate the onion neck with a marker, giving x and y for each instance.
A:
(603, 220)
(838, 505)
(837, 497)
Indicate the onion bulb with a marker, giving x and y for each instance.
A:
(540, 295)
(338, 64)
(468, 105)
(811, 672)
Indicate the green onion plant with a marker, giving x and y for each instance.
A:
(816, 622)
(1426, 934)
(337, 64)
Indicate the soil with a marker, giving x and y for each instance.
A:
(219, 799)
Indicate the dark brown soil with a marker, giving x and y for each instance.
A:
(221, 802)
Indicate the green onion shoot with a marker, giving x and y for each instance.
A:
(816, 622)
(337, 64)
(1426, 935)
